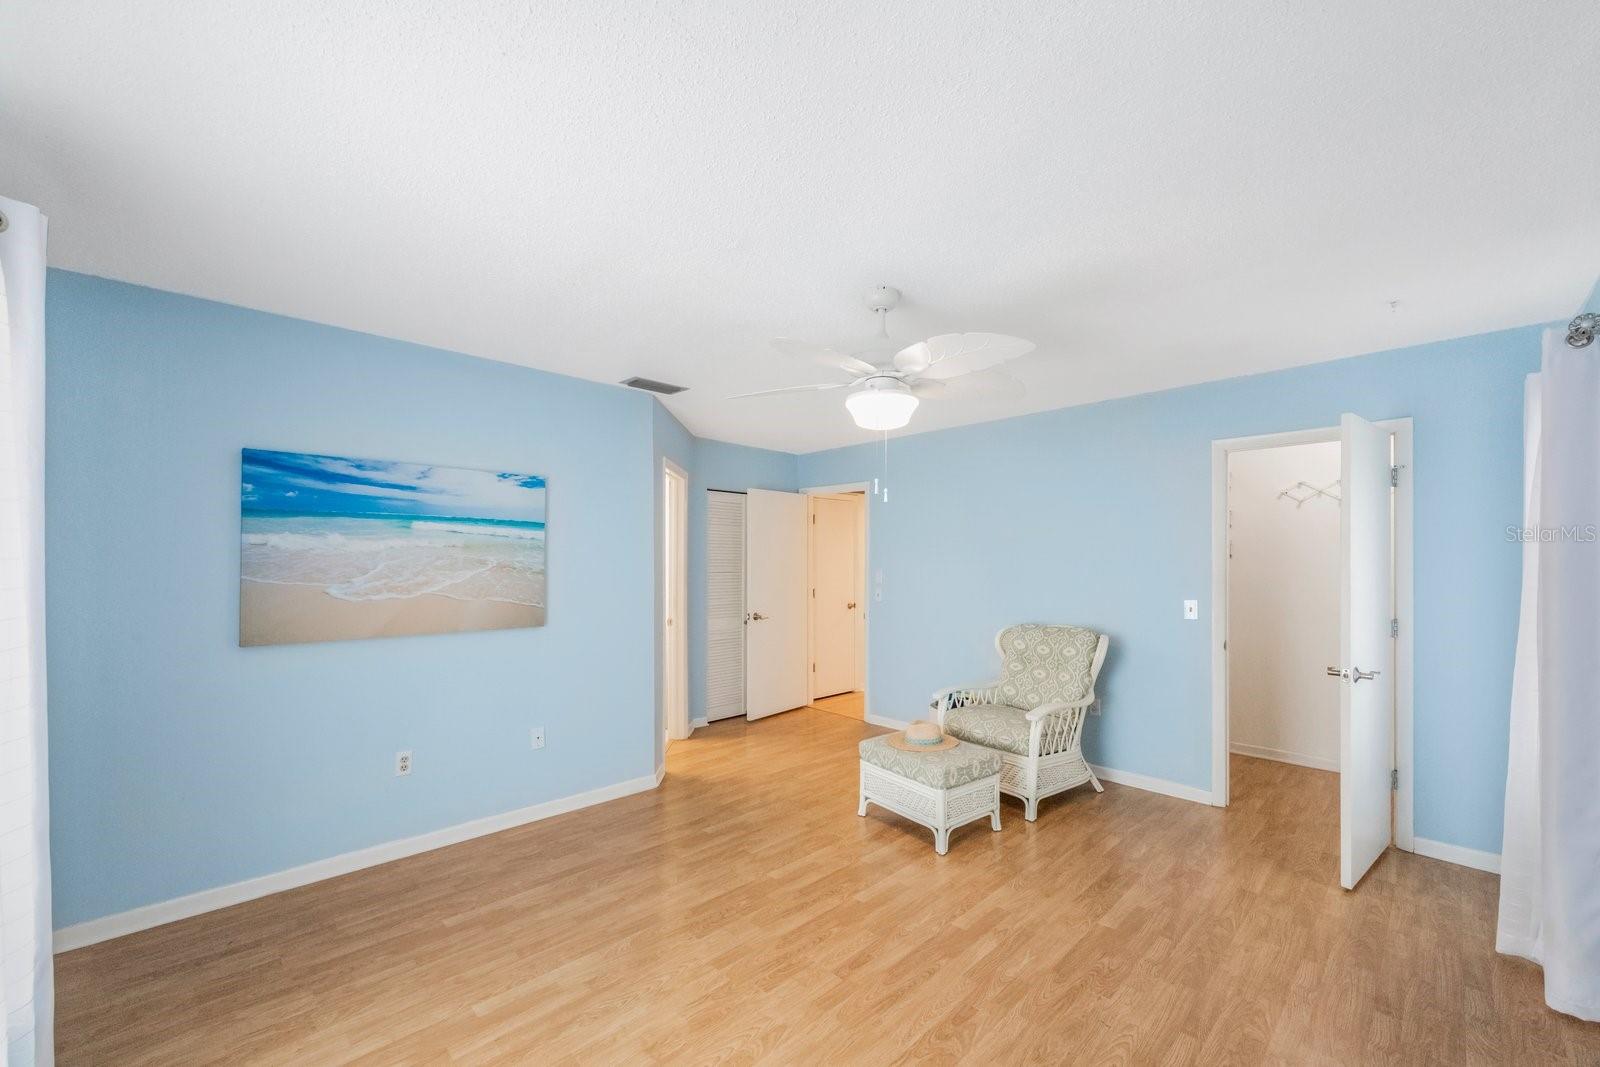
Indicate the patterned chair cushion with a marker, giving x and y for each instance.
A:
(944, 769)
(1041, 664)
(997, 726)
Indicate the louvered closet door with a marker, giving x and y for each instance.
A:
(724, 605)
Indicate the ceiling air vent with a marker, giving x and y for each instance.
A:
(650, 385)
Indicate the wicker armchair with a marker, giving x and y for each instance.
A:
(1033, 716)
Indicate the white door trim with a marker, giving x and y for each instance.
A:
(1404, 643)
(834, 490)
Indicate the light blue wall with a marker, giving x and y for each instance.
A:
(718, 465)
(179, 761)
(1101, 515)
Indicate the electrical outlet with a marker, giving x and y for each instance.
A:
(402, 763)
(536, 735)
(1191, 609)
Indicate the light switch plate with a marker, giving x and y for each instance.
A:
(1191, 609)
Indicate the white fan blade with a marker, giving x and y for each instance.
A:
(828, 357)
(927, 388)
(794, 389)
(913, 359)
(955, 354)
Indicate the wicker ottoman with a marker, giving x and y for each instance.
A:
(941, 790)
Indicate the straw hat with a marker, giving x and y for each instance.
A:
(922, 736)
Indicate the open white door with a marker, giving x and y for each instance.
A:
(775, 599)
(1366, 651)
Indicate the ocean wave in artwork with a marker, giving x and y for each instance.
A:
(365, 558)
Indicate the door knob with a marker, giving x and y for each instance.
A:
(1336, 672)
(850, 606)
(757, 617)
(1355, 674)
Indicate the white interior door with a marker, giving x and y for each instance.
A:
(775, 600)
(1366, 651)
(724, 604)
(834, 595)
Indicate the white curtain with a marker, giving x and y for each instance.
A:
(1550, 858)
(26, 978)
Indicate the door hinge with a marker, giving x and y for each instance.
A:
(813, 668)
(1394, 477)
(1394, 779)
(1394, 627)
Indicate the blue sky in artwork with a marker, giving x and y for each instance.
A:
(304, 484)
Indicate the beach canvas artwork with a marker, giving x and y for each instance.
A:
(334, 548)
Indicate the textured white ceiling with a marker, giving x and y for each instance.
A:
(1157, 193)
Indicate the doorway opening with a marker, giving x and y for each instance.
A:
(837, 579)
(1311, 622)
(674, 601)
(1283, 604)
(786, 576)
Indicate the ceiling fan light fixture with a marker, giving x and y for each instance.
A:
(881, 404)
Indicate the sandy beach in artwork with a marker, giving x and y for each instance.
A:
(332, 548)
(274, 614)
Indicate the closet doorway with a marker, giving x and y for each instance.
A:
(1283, 603)
(786, 604)
(837, 582)
(1311, 624)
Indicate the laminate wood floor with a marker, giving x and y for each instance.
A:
(743, 913)
(850, 705)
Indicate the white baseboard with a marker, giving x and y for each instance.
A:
(1262, 752)
(143, 918)
(1466, 857)
(695, 724)
(880, 720)
(661, 772)
(1153, 785)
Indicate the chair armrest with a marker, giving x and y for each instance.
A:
(1057, 727)
(960, 695)
(1052, 708)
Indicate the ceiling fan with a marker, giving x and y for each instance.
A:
(887, 380)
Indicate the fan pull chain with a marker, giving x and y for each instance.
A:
(886, 466)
